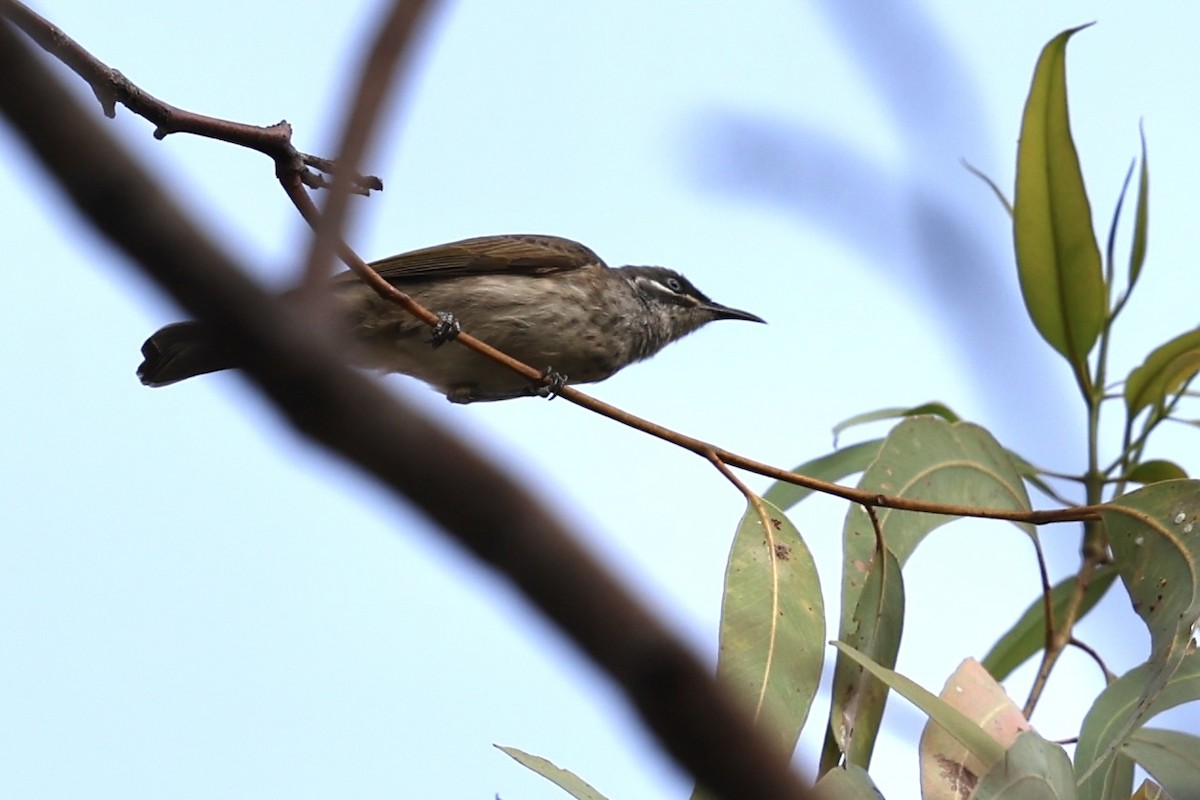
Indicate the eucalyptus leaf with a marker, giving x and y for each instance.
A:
(569, 782)
(1058, 261)
(772, 638)
(1108, 723)
(1141, 222)
(1172, 757)
(957, 724)
(1032, 769)
(922, 458)
(1163, 372)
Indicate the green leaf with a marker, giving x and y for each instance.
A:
(1154, 534)
(569, 782)
(1032, 769)
(832, 468)
(1163, 372)
(1156, 471)
(1107, 724)
(957, 724)
(847, 783)
(1058, 261)
(772, 623)
(877, 622)
(933, 407)
(1028, 635)
(1155, 538)
(1172, 757)
(1141, 224)
(922, 458)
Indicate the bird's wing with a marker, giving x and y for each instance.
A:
(527, 254)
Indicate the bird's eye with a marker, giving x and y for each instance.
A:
(674, 285)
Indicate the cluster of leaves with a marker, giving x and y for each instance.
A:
(978, 743)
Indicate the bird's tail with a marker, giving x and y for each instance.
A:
(182, 350)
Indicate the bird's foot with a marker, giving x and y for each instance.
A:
(446, 330)
(554, 383)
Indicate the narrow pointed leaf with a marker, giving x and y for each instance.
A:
(1141, 221)
(1163, 372)
(772, 637)
(569, 782)
(957, 724)
(1028, 636)
(1032, 769)
(1172, 757)
(1058, 261)
(832, 467)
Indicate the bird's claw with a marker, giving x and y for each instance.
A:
(446, 330)
(554, 383)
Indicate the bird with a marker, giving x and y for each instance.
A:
(544, 300)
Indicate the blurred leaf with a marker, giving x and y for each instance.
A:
(996, 190)
(877, 622)
(1032, 769)
(1057, 258)
(847, 783)
(1172, 757)
(832, 468)
(922, 458)
(935, 408)
(1156, 471)
(957, 724)
(1163, 372)
(772, 624)
(1028, 635)
(569, 782)
(1107, 723)
(946, 766)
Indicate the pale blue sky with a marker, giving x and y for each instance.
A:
(195, 603)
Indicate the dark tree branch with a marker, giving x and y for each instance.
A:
(504, 524)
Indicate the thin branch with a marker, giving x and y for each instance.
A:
(111, 87)
(1109, 677)
(275, 141)
(345, 411)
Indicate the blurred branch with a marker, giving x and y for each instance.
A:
(294, 365)
(393, 41)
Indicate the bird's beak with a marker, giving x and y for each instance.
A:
(725, 312)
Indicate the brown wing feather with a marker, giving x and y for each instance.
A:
(529, 254)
